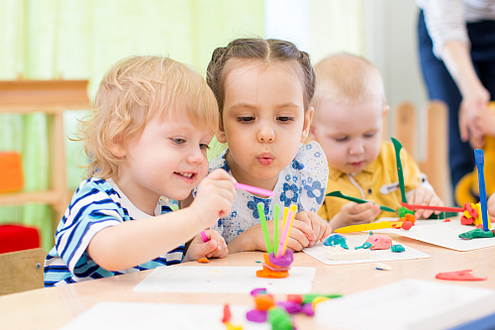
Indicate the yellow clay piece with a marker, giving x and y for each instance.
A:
(318, 300)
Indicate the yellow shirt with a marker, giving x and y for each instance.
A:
(378, 182)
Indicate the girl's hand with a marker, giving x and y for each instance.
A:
(214, 248)
(320, 227)
(355, 214)
(423, 196)
(214, 197)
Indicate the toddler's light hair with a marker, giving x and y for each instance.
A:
(347, 79)
(133, 92)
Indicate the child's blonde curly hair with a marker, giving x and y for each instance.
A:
(134, 91)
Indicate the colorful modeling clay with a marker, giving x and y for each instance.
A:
(477, 233)
(365, 245)
(291, 307)
(461, 275)
(279, 319)
(397, 248)
(257, 291)
(379, 242)
(263, 302)
(256, 316)
(274, 267)
(226, 313)
(407, 225)
(203, 260)
(336, 240)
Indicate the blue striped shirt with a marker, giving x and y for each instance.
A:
(96, 204)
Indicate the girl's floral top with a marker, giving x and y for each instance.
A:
(302, 182)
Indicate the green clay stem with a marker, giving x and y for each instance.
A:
(398, 147)
(261, 213)
(338, 194)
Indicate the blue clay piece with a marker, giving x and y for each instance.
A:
(335, 240)
(397, 248)
(366, 245)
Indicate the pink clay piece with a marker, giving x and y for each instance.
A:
(379, 242)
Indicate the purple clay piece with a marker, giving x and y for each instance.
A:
(256, 315)
(291, 307)
(283, 261)
(258, 291)
(308, 309)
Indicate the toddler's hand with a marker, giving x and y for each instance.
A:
(214, 197)
(354, 214)
(214, 248)
(423, 196)
(321, 228)
(490, 205)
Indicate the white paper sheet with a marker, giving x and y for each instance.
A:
(318, 250)
(445, 234)
(225, 280)
(406, 304)
(137, 315)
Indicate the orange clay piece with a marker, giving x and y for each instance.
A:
(264, 302)
(11, 178)
(267, 273)
(410, 217)
(203, 260)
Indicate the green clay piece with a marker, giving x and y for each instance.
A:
(403, 211)
(309, 297)
(338, 194)
(279, 319)
(397, 248)
(477, 233)
(366, 245)
(398, 147)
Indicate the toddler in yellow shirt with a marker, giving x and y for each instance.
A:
(349, 108)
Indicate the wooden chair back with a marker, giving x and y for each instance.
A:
(21, 270)
(431, 134)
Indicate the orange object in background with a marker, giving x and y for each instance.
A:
(11, 178)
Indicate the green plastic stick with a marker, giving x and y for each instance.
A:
(261, 213)
(398, 147)
(276, 211)
(337, 193)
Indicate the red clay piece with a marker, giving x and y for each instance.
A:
(226, 313)
(407, 225)
(465, 221)
(461, 275)
(446, 220)
(298, 298)
(203, 260)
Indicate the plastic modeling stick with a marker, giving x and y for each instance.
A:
(369, 226)
(285, 236)
(398, 147)
(276, 211)
(338, 194)
(293, 208)
(254, 190)
(479, 160)
(286, 210)
(261, 213)
(290, 221)
(434, 208)
(204, 237)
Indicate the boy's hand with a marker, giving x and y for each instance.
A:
(423, 196)
(321, 228)
(214, 197)
(214, 248)
(355, 214)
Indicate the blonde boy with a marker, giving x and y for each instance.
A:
(349, 109)
(147, 139)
